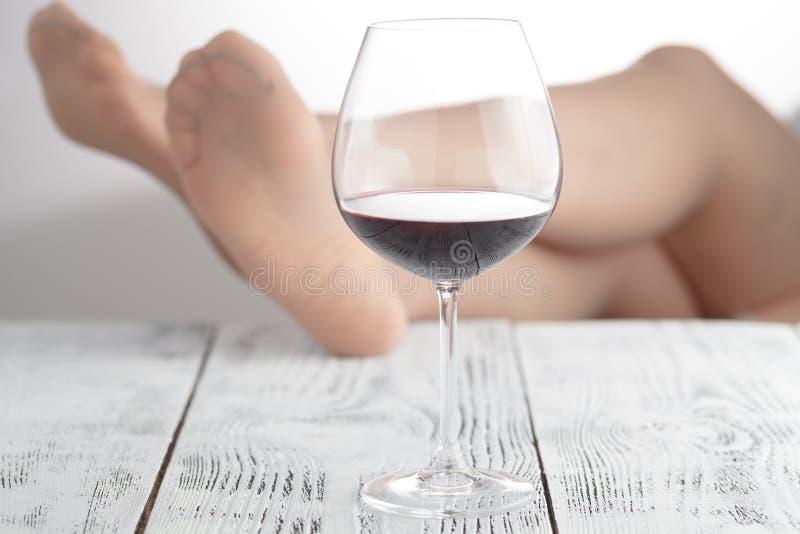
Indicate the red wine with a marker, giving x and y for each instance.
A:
(445, 234)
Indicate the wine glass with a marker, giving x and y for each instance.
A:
(446, 162)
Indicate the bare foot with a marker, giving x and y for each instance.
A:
(92, 94)
(254, 166)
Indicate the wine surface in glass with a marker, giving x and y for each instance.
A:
(445, 234)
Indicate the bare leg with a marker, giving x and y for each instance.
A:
(673, 150)
(234, 173)
(275, 201)
(259, 184)
(673, 157)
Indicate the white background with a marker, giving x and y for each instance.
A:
(85, 235)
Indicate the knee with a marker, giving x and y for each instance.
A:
(689, 75)
(227, 38)
(682, 61)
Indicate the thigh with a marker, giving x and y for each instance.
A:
(652, 286)
(543, 282)
(638, 280)
(784, 309)
(741, 248)
(637, 151)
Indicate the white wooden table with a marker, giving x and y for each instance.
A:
(623, 426)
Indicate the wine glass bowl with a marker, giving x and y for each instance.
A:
(445, 234)
(446, 162)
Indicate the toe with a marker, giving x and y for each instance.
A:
(188, 93)
(56, 33)
(184, 148)
(250, 52)
(182, 127)
(55, 12)
(236, 78)
(240, 66)
(179, 119)
(59, 16)
(53, 31)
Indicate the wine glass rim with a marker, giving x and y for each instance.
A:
(442, 24)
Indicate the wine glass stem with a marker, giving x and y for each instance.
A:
(447, 455)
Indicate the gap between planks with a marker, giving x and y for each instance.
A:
(517, 356)
(141, 526)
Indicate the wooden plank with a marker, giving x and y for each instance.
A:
(667, 427)
(281, 434)
(86, 416)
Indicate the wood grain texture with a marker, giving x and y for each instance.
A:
(280, 434)
(667, 427)
(86, 415)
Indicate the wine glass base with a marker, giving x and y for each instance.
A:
(447, 494)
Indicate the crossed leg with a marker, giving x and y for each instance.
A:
(251, 161)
